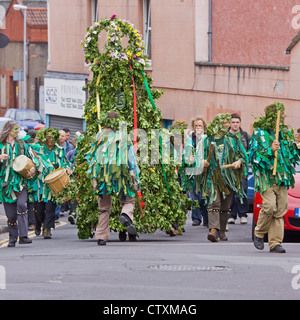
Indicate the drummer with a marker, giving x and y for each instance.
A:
(13, 187)
(53, 157)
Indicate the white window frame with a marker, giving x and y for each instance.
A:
(94, 5)
(147, 27)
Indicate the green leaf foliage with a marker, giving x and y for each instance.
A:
(116, 67)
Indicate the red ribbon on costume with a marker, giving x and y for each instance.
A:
(134, 117)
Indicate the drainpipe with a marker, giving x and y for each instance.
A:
(210, 33)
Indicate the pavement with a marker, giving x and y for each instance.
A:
(3, 220)
(155, 267)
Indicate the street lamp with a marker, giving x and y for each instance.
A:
(21, 7)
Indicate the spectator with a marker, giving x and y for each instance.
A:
(199, 130)
(237, 207)
(66, 145)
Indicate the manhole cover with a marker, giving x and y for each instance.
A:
(177, 267)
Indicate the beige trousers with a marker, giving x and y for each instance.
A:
(105, 204)
(270, 218)
(218, 212)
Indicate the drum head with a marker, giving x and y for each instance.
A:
(55, 174)
(19, 163)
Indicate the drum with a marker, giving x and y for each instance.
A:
(22, 166)
(57, 180)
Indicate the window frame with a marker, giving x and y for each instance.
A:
(147, 29)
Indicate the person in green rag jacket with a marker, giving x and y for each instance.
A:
(217, 184)
(273, 188)
(112, 164)
(13, 187)
(53, 157)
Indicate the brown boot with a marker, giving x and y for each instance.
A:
(213, 235)
(47, 233)
(222, 236)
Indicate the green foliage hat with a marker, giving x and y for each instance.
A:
(216, 126)
(44, 132)
(268, 120)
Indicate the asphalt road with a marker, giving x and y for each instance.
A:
(159, 267)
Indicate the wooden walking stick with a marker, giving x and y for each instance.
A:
(226, 166)
(276, 138)
(211, 147)
(98, 101)
(138, 199)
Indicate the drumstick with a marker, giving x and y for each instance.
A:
(226, 166)
(276, 138)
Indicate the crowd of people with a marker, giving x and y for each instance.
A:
(227, 151)
(220, 153)
(27, 198)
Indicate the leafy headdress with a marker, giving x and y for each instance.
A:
(216, 126)
(268, 121)
(44, 132)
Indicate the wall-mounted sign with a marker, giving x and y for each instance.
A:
(64, 97)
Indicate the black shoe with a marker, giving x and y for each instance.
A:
(101, 242)
(278, 249)
(127, 222)
(11, 245)
(37, 231)
(258, 243)
(196, 223)
(71, 219)
(122, 235)
(24, 240)
(131, 237)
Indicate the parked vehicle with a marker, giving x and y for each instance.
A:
(25, 117)
(292, 217)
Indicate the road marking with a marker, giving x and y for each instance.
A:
(31, 235)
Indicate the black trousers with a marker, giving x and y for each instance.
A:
(45, 214)
(17, 217)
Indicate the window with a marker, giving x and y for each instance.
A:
(147, 27)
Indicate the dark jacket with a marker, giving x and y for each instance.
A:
(245, 139)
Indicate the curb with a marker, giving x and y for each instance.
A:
(3, 229)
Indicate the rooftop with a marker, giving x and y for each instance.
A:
(37, 16)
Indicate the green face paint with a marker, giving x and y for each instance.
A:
(15, 130)
(50, 140)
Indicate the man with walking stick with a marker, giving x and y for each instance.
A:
(273, 154)
(222, 175)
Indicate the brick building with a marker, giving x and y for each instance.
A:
(209, 56)
(11, 56)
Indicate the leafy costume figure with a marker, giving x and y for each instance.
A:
(53, 157)
(216, 184)
(117, 69)
(114, 171)
(13, 186)
(273, 188)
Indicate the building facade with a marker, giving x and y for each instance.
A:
(209, 56)
(11, 55)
